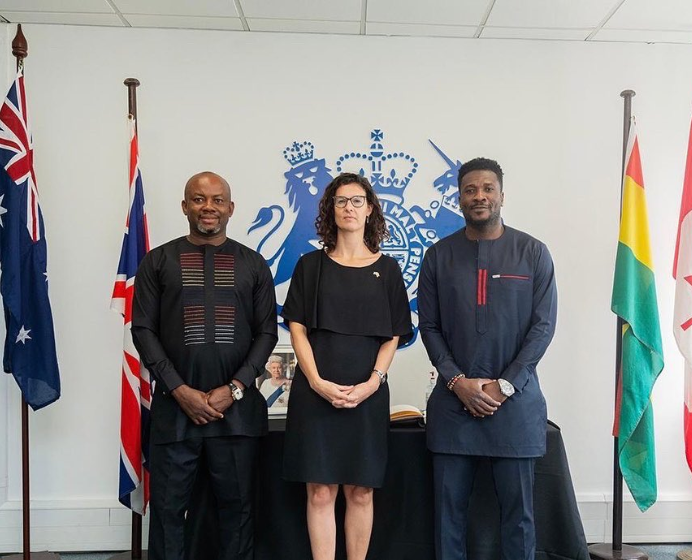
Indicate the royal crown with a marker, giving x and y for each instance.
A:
(298, 152)
(390, 173)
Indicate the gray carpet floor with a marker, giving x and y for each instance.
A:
(663, 552)
(655, 552)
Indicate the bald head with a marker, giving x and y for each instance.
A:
(208, 207)
(205, 177)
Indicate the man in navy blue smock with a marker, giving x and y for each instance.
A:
(488, 304)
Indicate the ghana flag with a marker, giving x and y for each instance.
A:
(634, 301)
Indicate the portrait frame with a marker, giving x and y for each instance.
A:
(277, 401)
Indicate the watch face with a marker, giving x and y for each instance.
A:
(237, 393)
(506, 388)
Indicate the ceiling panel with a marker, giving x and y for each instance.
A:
(576, 14)
(81, 6)
(184, 22)
(341, 10)
(203, 8)
(643, 36)
(304, 26)
(667, 21)
(65, 19)
(415, 30)
(647, 14)
(446, 12)
(533, 33)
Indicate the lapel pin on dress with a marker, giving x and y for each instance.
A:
(377, 274)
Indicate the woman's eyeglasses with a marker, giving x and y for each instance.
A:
(356, 201)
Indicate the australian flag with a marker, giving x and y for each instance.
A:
(136, 388)
(30, 341)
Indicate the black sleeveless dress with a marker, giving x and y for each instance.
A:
(349, 312)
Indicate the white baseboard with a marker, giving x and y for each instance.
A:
(104, 525)
(668, 520)
(69, 526)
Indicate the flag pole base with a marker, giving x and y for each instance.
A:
(34, 556)
(129, 555)
(605, 551)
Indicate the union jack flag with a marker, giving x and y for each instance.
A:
(136, 387)
(30, 341)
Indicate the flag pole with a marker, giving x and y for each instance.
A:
(135, 552)
(20, 50)
(615, 549)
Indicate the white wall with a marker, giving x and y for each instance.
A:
(550, 112)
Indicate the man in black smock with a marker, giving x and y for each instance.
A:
(204, 323)
(488, 305)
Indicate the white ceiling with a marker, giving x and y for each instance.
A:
(640, 21)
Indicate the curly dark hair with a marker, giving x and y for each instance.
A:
(325, 223)
(481, 164)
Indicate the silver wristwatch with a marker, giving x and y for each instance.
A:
(381, 374)
(506, 388)
(236, 392)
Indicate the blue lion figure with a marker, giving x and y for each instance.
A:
(306, 182)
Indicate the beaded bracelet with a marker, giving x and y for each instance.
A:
(453, 380)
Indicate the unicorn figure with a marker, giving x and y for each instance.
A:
(443, 216)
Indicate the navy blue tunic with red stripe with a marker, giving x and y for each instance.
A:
(488, 309)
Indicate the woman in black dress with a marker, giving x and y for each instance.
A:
(347, 311)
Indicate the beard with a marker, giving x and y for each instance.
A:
(492, 220)
(208, 230)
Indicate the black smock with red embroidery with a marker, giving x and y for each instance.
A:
(488, 309)
(204, 315)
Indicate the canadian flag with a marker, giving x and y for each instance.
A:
(682, 316)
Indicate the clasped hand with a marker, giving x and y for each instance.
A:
(202, 407)
(344, 396)
(481, 397)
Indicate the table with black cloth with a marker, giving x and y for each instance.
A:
(403, 525)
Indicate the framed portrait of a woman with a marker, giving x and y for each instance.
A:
(275, 383)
